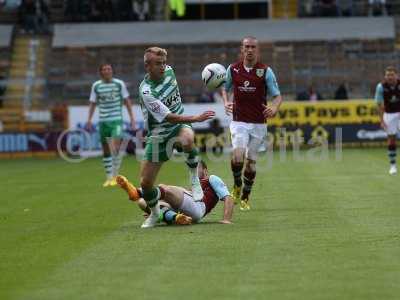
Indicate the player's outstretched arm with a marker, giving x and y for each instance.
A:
(174, 118)
(228, 210)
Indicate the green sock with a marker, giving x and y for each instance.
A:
(108, 166)
(192, 159)
(151, 196)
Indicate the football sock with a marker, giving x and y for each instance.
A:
(151, 196)
(237, 173)
(192, 161)
(392, 153)
(108, 166)
(116, 164)
(248, 183)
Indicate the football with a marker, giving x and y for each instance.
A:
(213, 76)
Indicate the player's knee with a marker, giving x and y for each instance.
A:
(238, 157)
(196, 217)
(165, 189)
(250, 165)
(187, 139)
(392, 140)
(187, 143)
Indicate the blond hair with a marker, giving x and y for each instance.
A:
(157, 51)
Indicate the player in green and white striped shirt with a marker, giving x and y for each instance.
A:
(109, 94)
(163, 113)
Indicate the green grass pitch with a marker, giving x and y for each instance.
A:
(317, 230)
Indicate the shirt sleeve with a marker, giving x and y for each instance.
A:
(93, 96)
(157, 109)
(124, 91)
(271, 83)
(219, 187)
(228, 79)
(379, 93)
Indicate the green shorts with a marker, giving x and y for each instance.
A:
(112, 129)
(162, 149)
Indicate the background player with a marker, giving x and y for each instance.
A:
(109, 94)
(251, 81)
(181, 200)
(387, 96)
(163, 114)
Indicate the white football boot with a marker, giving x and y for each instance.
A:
(393, 170)
(152, 220)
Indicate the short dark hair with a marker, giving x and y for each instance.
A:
(102, 65)
(203, 164)
(391, 69)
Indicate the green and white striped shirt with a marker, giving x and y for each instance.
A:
(109, 97)
(158, 99)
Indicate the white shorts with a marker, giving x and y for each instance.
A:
(249, 136)
(392, 121)
(191, 208)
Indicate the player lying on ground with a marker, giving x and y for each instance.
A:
(180, 200)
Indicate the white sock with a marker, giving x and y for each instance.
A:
(108, 166)
(155, 210)
(116, 164)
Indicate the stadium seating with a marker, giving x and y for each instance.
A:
(325, 65)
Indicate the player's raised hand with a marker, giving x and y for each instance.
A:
(269, 111)
(228, 108)
(207, 115)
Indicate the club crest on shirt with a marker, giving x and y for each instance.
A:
(260, 72)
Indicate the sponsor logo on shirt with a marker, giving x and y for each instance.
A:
(172, 100)
(247, 88)
(155, 107)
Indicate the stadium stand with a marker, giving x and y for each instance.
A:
(321, 52)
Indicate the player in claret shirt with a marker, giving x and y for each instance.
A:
(251, 82)
(387, 96)
(178, 205)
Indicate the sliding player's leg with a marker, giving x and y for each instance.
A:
(167, 214)
(186, 139)
(182, 200)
